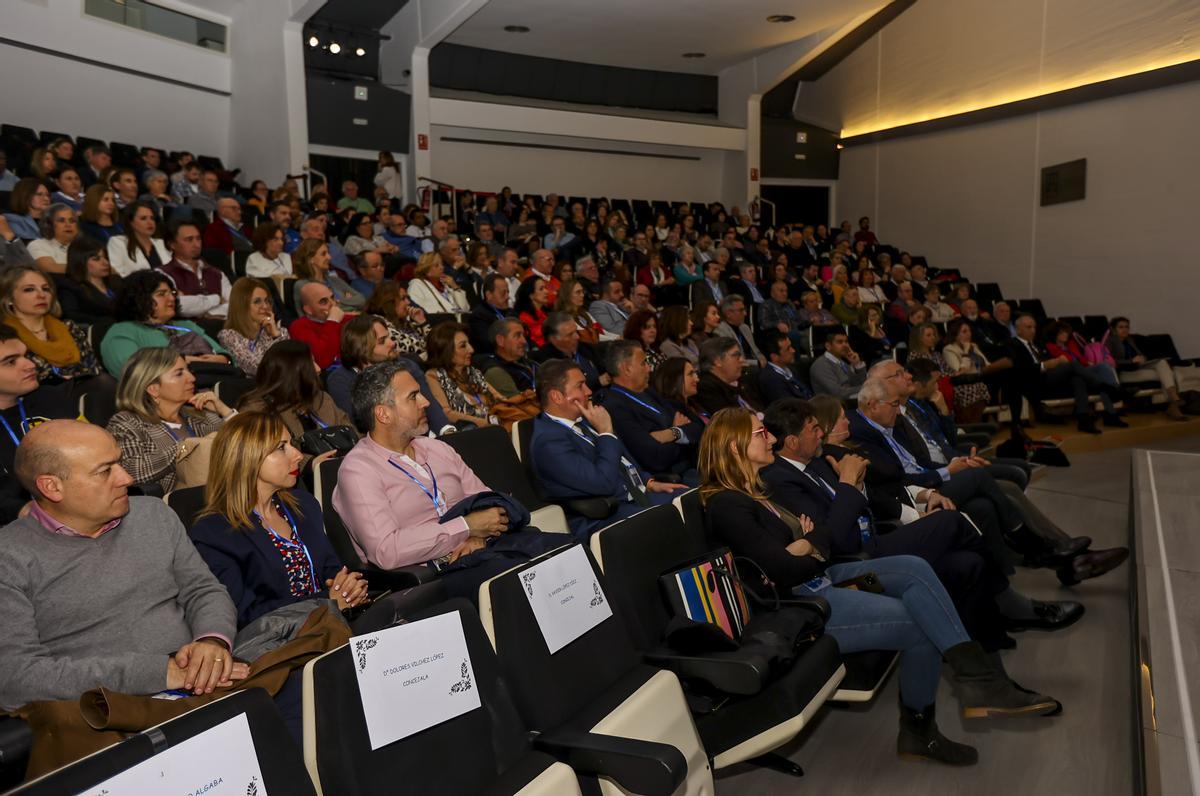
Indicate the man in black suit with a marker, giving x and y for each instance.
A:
(660, 439)
(562, 342)
(777, 380)
(1036, 374)
(832, 493)
(985, 332)
(712, 287)
(494, 307)
(721, 377)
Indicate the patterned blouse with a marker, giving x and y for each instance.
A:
(410, 337)
(654, 358)
(294, 554)
(964, 394)
(87, 365)
(474, 404)
(149, 450)
(248, 354)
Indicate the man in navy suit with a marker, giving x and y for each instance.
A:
(832, 493)
(661, 439)
(579, 462)
(561, 334)
(777, 380)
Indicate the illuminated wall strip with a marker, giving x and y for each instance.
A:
(1125, 84)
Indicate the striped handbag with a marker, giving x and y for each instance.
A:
(709, 590)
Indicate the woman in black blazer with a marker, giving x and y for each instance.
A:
(263, 538)
(913, 614)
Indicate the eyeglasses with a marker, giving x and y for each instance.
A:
(760, 431)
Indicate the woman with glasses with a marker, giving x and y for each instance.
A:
(27, 202)
(311, 262)
(268, 258)
(250, 327)
(59, 228)
(146, 309)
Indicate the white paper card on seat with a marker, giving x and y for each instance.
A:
(413, 676)
(218, 762)
(566, 597)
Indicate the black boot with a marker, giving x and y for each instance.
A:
(984, 690)
(1087, 424)
(920, 737)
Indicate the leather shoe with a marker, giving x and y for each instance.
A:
(1048, 616)
(1112, 420)
(1061, 555)
(1087, 424)
(1092, 564)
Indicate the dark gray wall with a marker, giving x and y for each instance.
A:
(332, 110)
(779, 150)
(462, 68)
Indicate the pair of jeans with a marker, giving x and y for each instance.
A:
(914, 615)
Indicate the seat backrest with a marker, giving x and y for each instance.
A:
(460, 755)
(634, 553)
(279, 759)
(98, 406)
(523, 431)
(230, 391)
(490, 454)
(549, 689)
(692, 510)
(187, 503)
(335, 526)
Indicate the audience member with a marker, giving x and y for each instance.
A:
(320, 325)
(371, 272)
(203, 290)
(288, 385)
(848, 308)
(572, 301)
(839, 371)
(677, 383)
(88, 289)
(733, 325)
(160, 417)
(1133, 367)
(250, 327)
(530, 306)
(778, 379)
(963, 359)
(262, 537)
(158, 193)
(124, 184)
(225, 233)
(869, 337)
(406, 323)
(676, 334)
(493, 307)
(509, 370)
(611, 310)
(140, 247)
(706, 317)
(98, 219)
(642, 328)
(29, 199)
(433, 290)
(575, 455)
(561, 336)
(59, 228)
(99, 160)
(269, 257)
(721, 384)
(311, 264)
(8, 180)
(461, 389)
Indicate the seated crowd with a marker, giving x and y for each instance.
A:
(822, 390)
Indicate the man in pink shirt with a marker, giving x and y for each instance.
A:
(396, 484)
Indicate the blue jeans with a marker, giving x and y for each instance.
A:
(914, 615)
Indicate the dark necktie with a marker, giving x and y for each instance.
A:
(629, 473)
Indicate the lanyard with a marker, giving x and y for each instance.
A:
(318, 421)
(186, 425)
(435, 497)
(24, 423)
(183, 329)
(936, 436)
(637, 400)
(295, 541)
(819, 481)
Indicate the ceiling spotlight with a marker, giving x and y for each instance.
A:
(781, 18)
(360, 52)
(313, 41)
(335, 48)
(516, 29)
(694, 55)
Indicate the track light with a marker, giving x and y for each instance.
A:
(335, 48)
(360, 52)
(313, 41)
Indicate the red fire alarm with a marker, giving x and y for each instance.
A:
(753, 175)
(423, 143)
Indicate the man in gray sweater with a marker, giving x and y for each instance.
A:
(100, 589)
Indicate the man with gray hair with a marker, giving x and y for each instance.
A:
(733, 325)
(509, 370)
(404, 496)
(611, 310)
(721, 384)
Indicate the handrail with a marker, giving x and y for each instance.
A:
(438, 183)
(759, 198)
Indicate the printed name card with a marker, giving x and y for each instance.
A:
(217, 762)
(565, 596)
(413, 676)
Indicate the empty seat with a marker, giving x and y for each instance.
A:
(987, 294)
(98, 406)
(1033, 307)
(279, 761)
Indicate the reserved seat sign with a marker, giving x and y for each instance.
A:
(413, 676)
(220, 761)
(565, 596)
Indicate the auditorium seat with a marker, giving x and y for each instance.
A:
(97, 406)
(490, 455)
(1095, 326)
(595, 684)
(741, 724)
(1033, 307)
(15, 741)
(486, 750)
(124, 156)
(187, 503)
(987, 294)
(279, 761)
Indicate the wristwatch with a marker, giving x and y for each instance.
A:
(677, 432)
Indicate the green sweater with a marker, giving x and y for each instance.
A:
(126, 337)
(77, 612)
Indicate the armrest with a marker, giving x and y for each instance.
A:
(743, 673)
(594, 508)
(655, 769)
(16, 738)
(810, 601)
(395, 579)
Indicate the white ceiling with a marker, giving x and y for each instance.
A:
(650, 34)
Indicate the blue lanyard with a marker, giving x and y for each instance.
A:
(435, 497)
(24, 423)
(174, 328)
(639, 401)
(906, 459)
(317, 420)
(499, 313)
(295, 541)
(937, 434)
(186, 424)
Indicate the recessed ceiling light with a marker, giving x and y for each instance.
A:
(313, 41)
(335, 48)
(360, 52)
(781, 18)
(694, 55)
(516, 29)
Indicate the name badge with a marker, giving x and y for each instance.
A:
(815, 585)
(413, 676)
(565, 597)
(864, 528)
(220, 761)
(634, 475)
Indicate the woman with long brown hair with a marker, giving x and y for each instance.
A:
(460, 388)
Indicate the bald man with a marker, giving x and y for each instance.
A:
(101, 589)
(321, 325)
(225, 233)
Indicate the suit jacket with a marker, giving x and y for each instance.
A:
(702, 291)
(585, 357)
(923, 417)
(838, 513)
(712, 395)
(886, 471)
(1025, 368)
(749, 349)
(609, 315)
(634, 422)
(773, 385)
(218, 235)
(832, 379)
(566, 466)
(479, 321)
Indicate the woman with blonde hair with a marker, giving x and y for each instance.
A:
(250, 327)
(312, 263)
(261, 536)
(161, 417)
(58, 348)
(433, 290)
(911, 612)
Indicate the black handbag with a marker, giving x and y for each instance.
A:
(330, 438)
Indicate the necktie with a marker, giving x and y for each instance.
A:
(629, 472)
